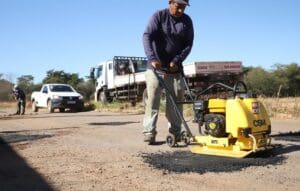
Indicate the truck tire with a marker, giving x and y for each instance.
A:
(34, 108)
(49, 106)
(79, 109)
(102, 97)
(62, 110)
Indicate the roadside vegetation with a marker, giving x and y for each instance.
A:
(278, 89)
(277, 108)
(283, 108)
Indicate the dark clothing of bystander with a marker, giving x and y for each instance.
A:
(20, 97)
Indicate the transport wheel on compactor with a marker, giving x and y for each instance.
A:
(170, 140)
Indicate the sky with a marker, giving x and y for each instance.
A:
(74, 35)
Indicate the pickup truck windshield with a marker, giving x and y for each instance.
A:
(61, 88)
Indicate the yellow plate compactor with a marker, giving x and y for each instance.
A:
(233, 127)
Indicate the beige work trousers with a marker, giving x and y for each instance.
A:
(175, 84)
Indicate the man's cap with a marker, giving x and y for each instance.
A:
(184, 2)
(15, 86)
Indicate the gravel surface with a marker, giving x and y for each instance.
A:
(104, 151)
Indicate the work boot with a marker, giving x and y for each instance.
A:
(150, 139)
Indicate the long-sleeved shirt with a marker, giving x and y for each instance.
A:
(19, 94)
(168, 38)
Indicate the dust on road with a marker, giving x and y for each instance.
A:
(104, 151)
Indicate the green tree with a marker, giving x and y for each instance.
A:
(37, 87)
(246, 69)
(289, 78)
(262, 82)
(87, 89)
(5, 90)
(62, 77)
(25, 82)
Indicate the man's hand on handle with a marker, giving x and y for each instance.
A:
(156, 64)
(173, 67)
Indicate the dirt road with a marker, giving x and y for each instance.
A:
(104, 151)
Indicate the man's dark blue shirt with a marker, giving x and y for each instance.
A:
(168, 38)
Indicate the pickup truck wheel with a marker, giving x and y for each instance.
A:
(34, 108)
(49, 106)
(62, 110)
(79, 109)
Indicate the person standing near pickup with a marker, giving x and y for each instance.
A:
(167, 40)
(20, 97)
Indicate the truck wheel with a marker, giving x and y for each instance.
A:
(49, 106)
(102, 97)
(62, 110)
(80, 108)
(34, 108)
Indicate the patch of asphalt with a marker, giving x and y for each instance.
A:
(185, 161)
(7, 138)
(289, 136)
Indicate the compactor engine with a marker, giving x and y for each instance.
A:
(231, 127)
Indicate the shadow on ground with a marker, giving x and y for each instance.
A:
(41, 130)
(115, 123)
(289, 136)
(16, 174)
(185, 161)
(16, 137)
(47, 116)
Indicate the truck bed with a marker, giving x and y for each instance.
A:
(127, 79)
(204, 68)
(190, 70)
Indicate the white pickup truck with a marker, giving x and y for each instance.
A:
(57, 96)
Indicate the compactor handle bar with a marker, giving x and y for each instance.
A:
(173, 102)
(234, 88)
(181, 73)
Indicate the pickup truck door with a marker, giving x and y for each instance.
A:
(44, 96)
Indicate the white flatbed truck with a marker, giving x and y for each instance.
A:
(123, 77)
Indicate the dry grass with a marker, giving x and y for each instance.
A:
(116, 106)
(7, 104)
(282, 108)
(12, 104)
(277, 108)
